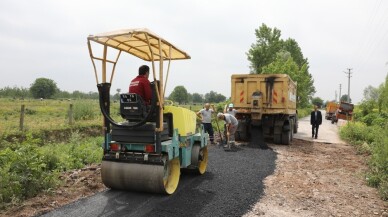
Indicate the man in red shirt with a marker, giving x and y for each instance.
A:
(141, 85)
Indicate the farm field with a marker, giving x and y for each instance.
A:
(47, 114)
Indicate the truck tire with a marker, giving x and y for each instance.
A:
(286, 137)
(295, 127)
(277, 138)
(292, 129)
(241, 136)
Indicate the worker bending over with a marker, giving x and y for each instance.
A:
(231, 127)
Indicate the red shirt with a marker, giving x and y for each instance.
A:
(142, 86)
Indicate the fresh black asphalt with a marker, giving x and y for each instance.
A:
(232, 184)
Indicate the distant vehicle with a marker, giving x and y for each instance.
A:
(344, 112)
(331, 107)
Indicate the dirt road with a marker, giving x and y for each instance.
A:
(327, 133)
(310, 177)
(318, 177)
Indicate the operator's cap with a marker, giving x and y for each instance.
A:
(219, 115)
(231, 105)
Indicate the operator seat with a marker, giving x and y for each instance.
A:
(134, 110)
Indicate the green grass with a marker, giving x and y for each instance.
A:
(372, 140)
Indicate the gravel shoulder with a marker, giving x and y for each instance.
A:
(318, 177)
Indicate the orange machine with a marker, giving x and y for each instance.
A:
(344, 112)
(331, 107)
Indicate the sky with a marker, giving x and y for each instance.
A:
(45, 38)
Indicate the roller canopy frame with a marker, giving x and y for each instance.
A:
(143, 44)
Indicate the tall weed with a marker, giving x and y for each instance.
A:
(374, 140)
(23, 174)
(84, 111)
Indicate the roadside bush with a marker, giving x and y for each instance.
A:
(374, 141)
(23, 174)
(369, 118)
(27, 169)
(304, 112)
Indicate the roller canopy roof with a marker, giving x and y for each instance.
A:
(138, 42)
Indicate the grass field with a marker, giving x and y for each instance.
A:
(48, 114)
(54, 114)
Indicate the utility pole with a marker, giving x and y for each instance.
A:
(339, 99)
(335, 94)
(349, 73)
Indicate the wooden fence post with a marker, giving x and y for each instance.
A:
(71, 119)
(22, 112)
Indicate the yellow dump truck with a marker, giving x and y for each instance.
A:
(331, 107)
(265, 103)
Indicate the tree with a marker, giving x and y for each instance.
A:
(291, 46)
(189, 97)
(179, 94)
(220, 98)
(317, 101)
(383, 97)
(15, 92)
(214, 97)
(371, 93)
(43, 88)
(263, 52)
(197, 98)
(63, 95)
(117, 95)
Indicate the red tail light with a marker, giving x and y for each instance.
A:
(149, 148)
(115, 147)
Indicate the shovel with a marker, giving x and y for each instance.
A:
(219, 132)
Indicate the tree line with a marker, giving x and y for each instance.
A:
(180, 95)
(375, 98)
(47, 89)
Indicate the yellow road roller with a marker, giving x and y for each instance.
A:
(145, 150)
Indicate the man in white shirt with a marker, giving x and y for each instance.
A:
(231, 126)
(205, 115)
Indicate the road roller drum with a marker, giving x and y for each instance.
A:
(141, 177)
